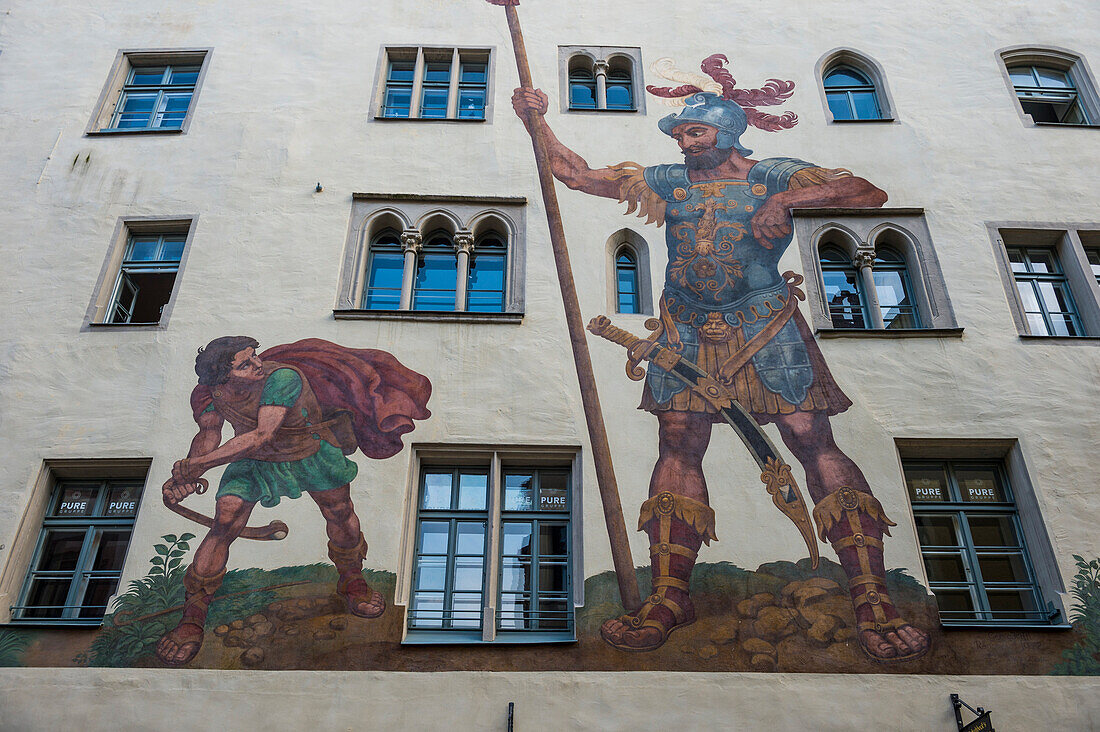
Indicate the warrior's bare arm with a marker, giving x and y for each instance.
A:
(205, 440)
(269, 419)
(773, 219)
(567, 166)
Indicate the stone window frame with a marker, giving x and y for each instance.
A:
(638, 245)
(415, 217)
(1063, 59)
(601, 58)
(1009, 453)
(390, 50)
(102, 294)
(858, 232)
(497, 458)
(1068, 240)
(125, 60)
(865, 64)
(40, 493)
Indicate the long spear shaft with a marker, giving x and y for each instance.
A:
(590, 399)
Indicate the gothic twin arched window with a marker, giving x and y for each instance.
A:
(868, 292)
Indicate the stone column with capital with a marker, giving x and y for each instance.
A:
(411, 244)
(600, 68)
(864, 262)
(464, 246)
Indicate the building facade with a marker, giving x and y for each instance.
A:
(856, 290)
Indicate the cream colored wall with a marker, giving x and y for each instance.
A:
(287, 103)
(293, 700)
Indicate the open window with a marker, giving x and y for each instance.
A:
(1052, 86)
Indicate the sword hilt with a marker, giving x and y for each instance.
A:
(601, 326)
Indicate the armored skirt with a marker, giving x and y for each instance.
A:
(662, 392)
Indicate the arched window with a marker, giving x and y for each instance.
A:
(486, 280)
(1047, 94)
(436, 274)
(894, 290)
(620, 84)
(851, 94)
(383, 286)
(582, 83)
(843, 289)
(626, 282)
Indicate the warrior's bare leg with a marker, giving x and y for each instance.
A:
(203, 577)
(678, 519)
(854, 522)
(346, 548)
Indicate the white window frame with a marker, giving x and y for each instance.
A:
(497, 460)
(419, 55)
(1062, 59)
(107, 106)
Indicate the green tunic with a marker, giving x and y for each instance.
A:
(267, 482)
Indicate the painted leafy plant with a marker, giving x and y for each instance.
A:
(12, 645)
(122, 639)
(1083, 659)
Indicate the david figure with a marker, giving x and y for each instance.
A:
(727, 221)
(297, 411)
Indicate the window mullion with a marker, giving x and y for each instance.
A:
(493, 545)
(76, 587)
(982, 601)
(448, 578)
(417, 85)
(452, 86)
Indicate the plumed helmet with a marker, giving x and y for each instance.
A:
(707, 108)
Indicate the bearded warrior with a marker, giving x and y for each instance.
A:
(727, 308)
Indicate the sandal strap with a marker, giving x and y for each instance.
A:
(673, 582)
(858, 540)
(665, 548)
(880, 627)
(641, 618)
(348, 555)
(866, 579)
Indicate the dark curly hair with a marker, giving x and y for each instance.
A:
(213, 362)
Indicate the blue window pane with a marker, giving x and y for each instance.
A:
(185, 76)
(619, 97)
(627, 280)
(173, 249)
(846, 77)
(838, 105)
(434, 103)
(628, 303)
(866, 105)
(385, 269)
(471, 104)
(435, 283)
(176, 102)
(485, 288)
(401, 71)
(473, 73)
(147, 75)
(582, 96)
(437, 72)
(398, 102)
(1021, 76)
(144, 249)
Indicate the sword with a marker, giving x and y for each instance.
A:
(775, 472)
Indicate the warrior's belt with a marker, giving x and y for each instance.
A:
(775, 472)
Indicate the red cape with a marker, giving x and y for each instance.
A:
(382, 395)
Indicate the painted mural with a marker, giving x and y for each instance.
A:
(729, 347)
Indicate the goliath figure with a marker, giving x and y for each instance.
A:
(725, 307)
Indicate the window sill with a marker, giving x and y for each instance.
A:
(428, 316)
(589, 110)
(1080, 340)
(1066, 124)
(889, 333)
(979, 625)
(463, 120)
(127, 326)
(67, 624)
(135, 131)
(445, 637)
(858, 121)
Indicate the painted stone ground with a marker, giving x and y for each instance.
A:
(781, 617)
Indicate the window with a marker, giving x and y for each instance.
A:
(874, 274)
(150, 91)
(492, 556)
(972, 543)
(1044, 293)
(424, 261)
(851, 95)
(843, 290)
(626, 281)
(600, 78)
(141, 275)
(435, 83)
(1052, 86)
(1093, 254)
(854, 87)
(893, 291)
(1047, 95)
(78, 559)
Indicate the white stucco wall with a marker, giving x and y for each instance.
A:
(287, 103)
